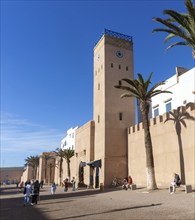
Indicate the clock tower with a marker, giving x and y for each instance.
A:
(113, 61)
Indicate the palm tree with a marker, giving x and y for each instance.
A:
(139, 89)
(64, 154)
(33, 161)
(68, 153)
(179, 117)
(60, 153)
(46, 157)
(180, 25)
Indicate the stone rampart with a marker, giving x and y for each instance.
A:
(173, 142)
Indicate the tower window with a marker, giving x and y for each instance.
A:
(98, 86)
(127, 68)
(96, 72)
(112, 65)
(120, 116)
(120, 83)
(119, 66)
(98, 119)
(101, 66)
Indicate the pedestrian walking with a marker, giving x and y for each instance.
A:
(27, 192)
(66, 185)
(35, 192)
(73, 181)
(53, 188)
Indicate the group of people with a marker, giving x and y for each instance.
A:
(73, 182)
(127, 182)
(31, 188)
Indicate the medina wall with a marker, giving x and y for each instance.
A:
(84, 153)
(169, 144)
(11, 174)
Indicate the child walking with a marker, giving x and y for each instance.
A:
(53, 188)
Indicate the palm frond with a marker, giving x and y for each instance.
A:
(128, 95)
(170, 36)
(133, 83)
(191, 10)
(178, 44)
(170, 25)
(148, 81)
(180, 25)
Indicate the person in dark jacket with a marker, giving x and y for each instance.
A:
(176, 182)
(35, 192)
(66, 185)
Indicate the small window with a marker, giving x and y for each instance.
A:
(112, 65)
(156, 112)
(98, 119)
(120, 116)
(127, 68)
(119, 66)
(98, 86)
(120, 83)
(101, 66)
(168, 106)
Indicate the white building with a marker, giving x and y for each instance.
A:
(69, 141)
(182, 86)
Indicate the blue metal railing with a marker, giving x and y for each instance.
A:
(115, 34)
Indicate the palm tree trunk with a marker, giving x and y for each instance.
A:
(150, 172)
(61, 171)
(68, 167)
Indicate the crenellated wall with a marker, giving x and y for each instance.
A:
(169, 141)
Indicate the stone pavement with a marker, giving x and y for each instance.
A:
(95, 204)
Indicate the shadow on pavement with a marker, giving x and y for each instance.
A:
(110, 211)
(12, 208)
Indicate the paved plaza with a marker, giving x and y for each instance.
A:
(96, 204)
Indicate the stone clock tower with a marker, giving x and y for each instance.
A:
(113, 61)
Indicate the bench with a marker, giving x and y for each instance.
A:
(187, 188)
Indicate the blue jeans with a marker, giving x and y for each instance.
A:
(26, 199)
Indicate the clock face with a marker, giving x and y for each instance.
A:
(119, 54)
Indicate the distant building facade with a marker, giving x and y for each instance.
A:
(69, 141)
(182, 86)
(9, 175)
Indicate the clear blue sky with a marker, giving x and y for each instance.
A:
(47, 64)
